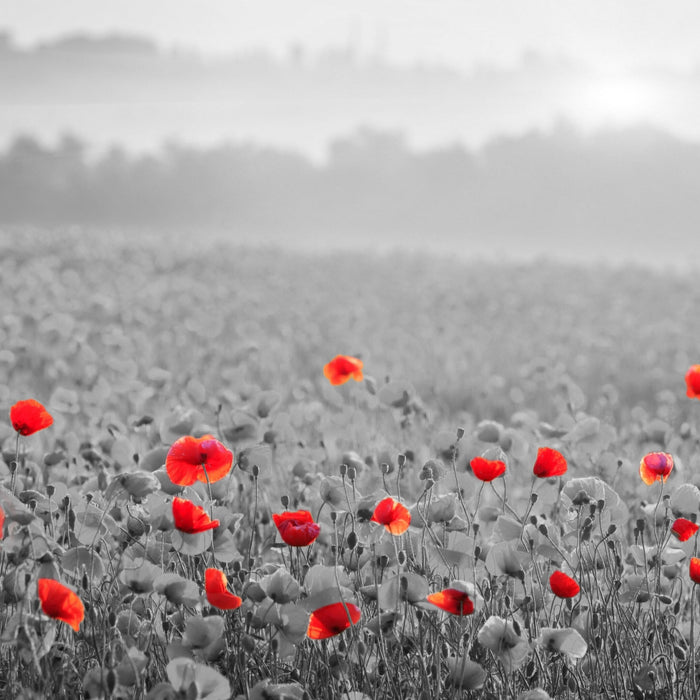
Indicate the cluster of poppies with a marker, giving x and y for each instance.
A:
(205, 459)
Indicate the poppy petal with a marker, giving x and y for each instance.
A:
(393, 515)
(695, 569)
(549, 463)
(453, 601)
(332, 619)
(29, 416)
(218, 595)
(342, 368)
(684, 529)
(487, 469)
(655, 466)
(60, 602)
(296, 528)
(563, 586)
(692, 382)
(191, 459)
(190, 518)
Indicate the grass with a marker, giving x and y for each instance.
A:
(132, 345)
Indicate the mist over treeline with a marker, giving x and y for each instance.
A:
(629, 188)
(126, 89)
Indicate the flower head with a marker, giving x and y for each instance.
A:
(549, 463)
(193, 459)
(684, 529)
(695, 569)
(60, 602)
(342, 368)
(190, 518)
(487, 469)
(563, 586)
(458, 599)
(393, 515)
(297, 528)
(332, 619)
(218, 595)
(656, 466)
(29, 416)
(504, 640)
(692, 382)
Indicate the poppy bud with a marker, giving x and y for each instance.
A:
(352, 473)
(248, 643)
(533, 498)
(401, 459)
(460, 433)
(343, 470)
(402, 560)
(611, 529)
(285, 501)
(352, 540)
(256, 471)
(50, 490)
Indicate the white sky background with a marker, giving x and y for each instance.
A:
(614, 34)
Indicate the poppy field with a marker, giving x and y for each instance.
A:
(239, 473)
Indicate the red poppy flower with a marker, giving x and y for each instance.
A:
(656, 466)
(331, 620)
(692, 382)
(190, 518)
(695, 569)
(563, 586)
(487, 469)
(59, 602)
(343, 368)
(189, 456)
(218, 595)
(393, 515)
(549, 462)
(684, 529)
(297, 528)
(455, 601)
(29, 416)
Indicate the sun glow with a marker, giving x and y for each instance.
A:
(618, 100)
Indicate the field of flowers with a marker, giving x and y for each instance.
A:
(234, 473)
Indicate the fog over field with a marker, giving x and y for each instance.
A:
(364, 133)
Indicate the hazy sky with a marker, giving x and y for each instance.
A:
(608, 33)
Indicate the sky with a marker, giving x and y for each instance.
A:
(611, 34)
